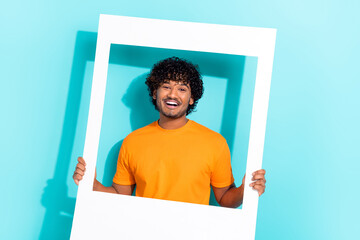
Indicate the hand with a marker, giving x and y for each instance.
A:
(259, 181)
(80, 170)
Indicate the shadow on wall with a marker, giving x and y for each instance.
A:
(59, 206)
(136, 95)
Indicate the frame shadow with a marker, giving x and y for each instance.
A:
(59, 206)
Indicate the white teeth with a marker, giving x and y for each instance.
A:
(172, 103)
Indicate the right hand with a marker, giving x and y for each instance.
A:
(80, 170)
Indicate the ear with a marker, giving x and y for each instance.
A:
(154, 95)
(191, 102)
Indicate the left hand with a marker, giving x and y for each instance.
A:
(259, 181)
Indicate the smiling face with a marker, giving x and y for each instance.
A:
(173, 99)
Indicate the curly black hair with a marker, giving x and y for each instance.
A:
(179, 70)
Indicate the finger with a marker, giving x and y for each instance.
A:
(259, 189)
(258, 182)
(81, 166)
(81, 160)
(261, 171)
(79, 171)
(258, 177)
(77, 177)
(243, 180)
(76, 182)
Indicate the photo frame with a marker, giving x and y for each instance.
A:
(113, 216)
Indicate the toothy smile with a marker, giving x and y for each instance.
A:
(171, 103)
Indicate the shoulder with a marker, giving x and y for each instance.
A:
(140, 134)
(207, 133)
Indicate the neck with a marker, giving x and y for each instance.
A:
(171, 123)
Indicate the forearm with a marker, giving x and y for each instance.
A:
(233, 197)
(101, 188)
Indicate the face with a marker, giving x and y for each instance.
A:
(173, 98)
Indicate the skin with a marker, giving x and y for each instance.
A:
(173, 116)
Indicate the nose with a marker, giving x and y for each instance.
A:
(172, 93)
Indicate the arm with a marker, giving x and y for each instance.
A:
(115, 188)
(231, 196)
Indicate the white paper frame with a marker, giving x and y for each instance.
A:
(111, 216)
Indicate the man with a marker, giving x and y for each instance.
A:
(176, 158)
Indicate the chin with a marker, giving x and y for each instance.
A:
(174, 115)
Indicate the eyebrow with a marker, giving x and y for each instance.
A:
(177, 83)
(185, 85)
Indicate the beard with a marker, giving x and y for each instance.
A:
(169, 113)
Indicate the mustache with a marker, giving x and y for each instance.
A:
(173, 99)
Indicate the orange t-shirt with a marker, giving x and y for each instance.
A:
(178, 165)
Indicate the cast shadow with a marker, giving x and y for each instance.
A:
(59, 206)
(135, 96)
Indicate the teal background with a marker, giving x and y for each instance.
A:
(311, 150)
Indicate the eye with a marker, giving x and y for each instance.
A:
(165, 87)
(182, 89)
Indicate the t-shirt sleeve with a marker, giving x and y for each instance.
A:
(221, 175)
(123, 175)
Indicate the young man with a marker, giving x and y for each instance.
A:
(176, 158)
